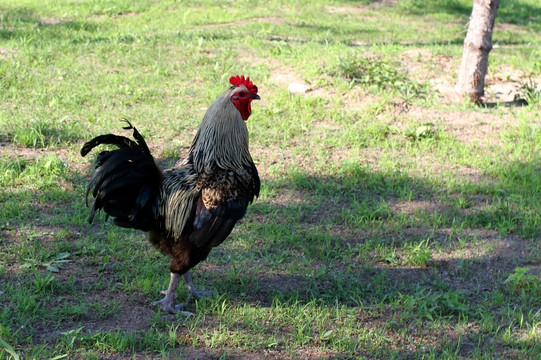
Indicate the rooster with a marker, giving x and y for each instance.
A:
(188, 209)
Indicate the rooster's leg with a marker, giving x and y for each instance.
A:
(194, 293)
(168, 302)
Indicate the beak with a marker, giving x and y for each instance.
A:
(255, 96)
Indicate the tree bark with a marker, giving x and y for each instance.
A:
(477, 45)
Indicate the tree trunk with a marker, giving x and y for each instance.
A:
(477, 45)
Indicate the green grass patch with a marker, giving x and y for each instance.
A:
(393, 223)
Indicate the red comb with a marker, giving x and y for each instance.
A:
(240, 80)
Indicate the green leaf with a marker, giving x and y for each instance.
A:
(61, 256)
(52, 268)
(9, 349)
(59, 357)
(327, 334)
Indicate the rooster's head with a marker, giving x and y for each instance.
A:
(244, 91)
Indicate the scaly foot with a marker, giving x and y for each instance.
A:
(201, 294)
(191, 288)
(167, 304)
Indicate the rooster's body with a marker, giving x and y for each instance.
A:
(190, 208)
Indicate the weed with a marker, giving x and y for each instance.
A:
(531, 92)
(44, 171)
(379, 74)
(53, 264)
(31, 136)
(44, 283)
(418, 133)
(10, 350)
(435, 305)
(522, 280)
(418, 254)
(69, 338)
(388, 255)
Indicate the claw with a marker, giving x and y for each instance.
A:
(180, 306)
(202, 294)
(164, 292)
(191, 288)
(167, 305)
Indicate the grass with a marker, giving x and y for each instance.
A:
(393, 221)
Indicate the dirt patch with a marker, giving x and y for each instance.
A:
(358, 9)
(345, 9)
(270, 19)
(500, 27)
(120, 15)
(466, 126)
(201, 353)
(53, 21)
(6, 53)
(411, 207)
(502, 85)
(128, 14)
(422, 65)
(280, 75)
(134, 314)
(502, 82)
(288, 198)
(284, 77)
(18, 152)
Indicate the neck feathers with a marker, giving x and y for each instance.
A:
(222, 140)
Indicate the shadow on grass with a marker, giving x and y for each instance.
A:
(346, 243)
(22, 22)
(331, 241)
(363, 200)
(515, 12)
(18, 15)
(519, 12)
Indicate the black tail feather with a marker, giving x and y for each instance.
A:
(121, 141)
(126, 182)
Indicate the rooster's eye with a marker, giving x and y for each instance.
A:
(242, 94)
